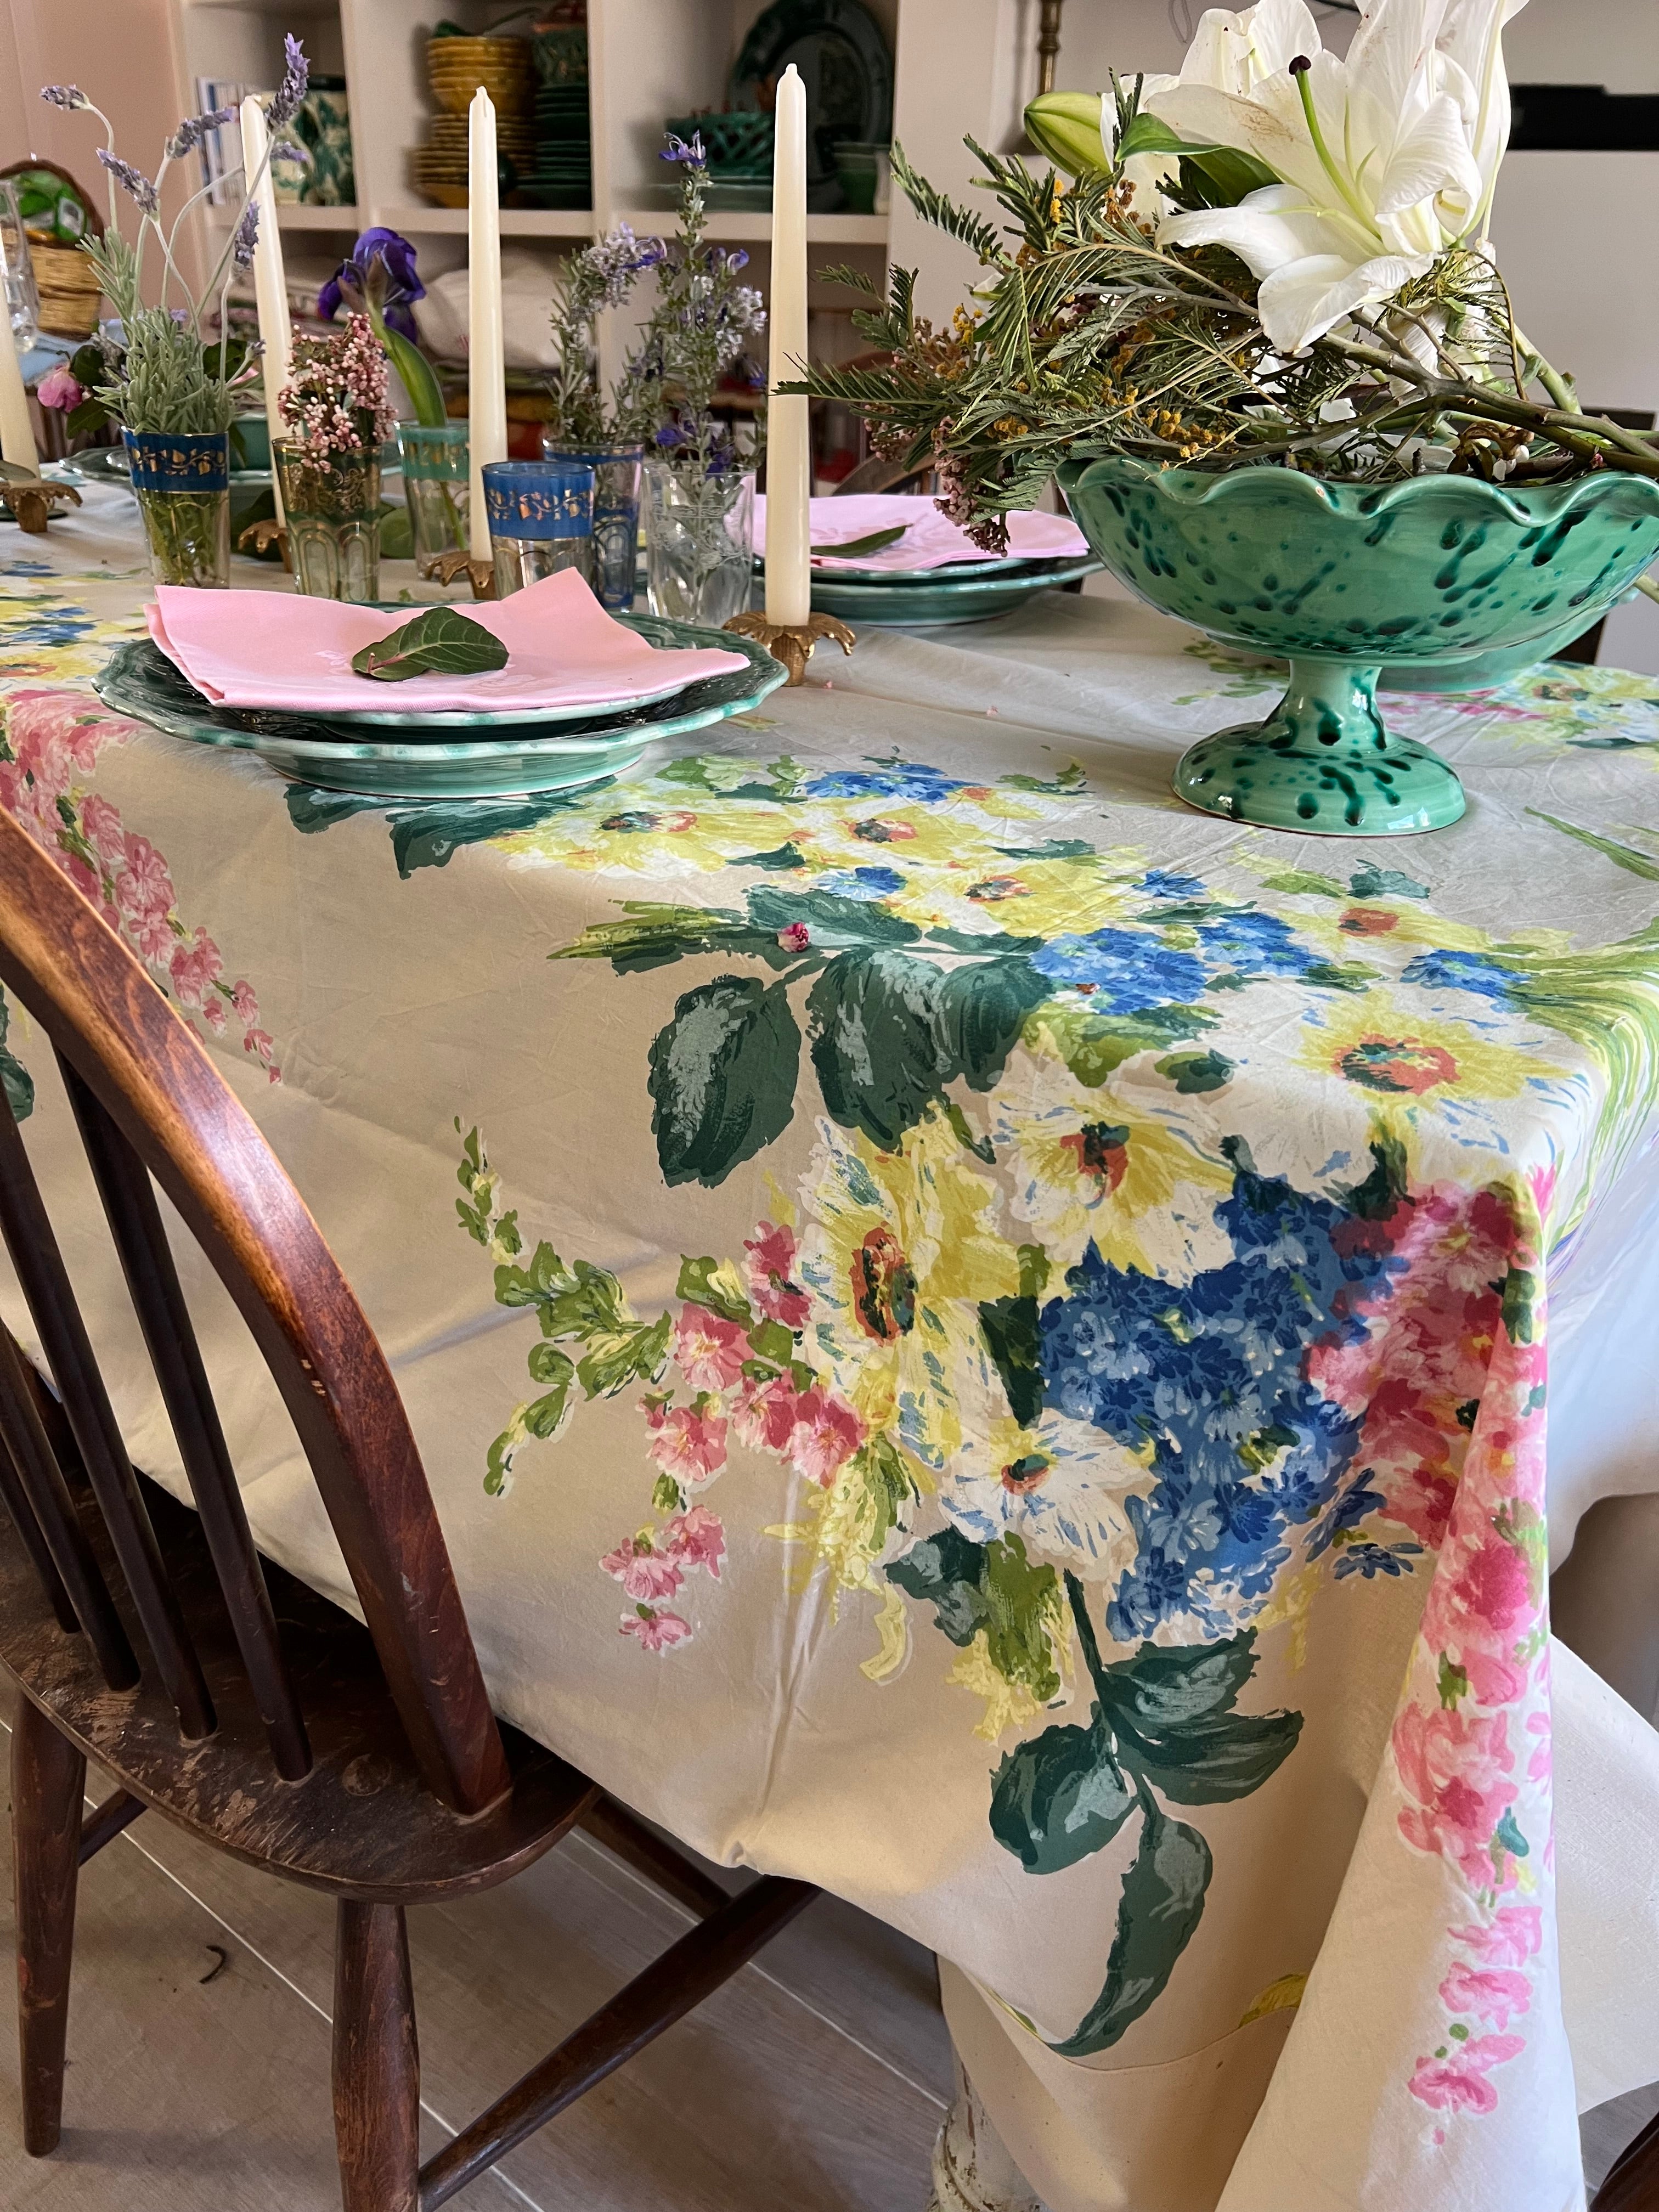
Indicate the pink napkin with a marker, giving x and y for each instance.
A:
(284, 649)
(929, 540)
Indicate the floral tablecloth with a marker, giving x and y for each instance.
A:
(979, 1338)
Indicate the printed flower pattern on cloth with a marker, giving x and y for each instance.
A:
(48, 755)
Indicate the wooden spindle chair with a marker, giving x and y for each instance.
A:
(360, 1761)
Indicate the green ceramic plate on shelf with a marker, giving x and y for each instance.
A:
(140, 680)
(932, 598)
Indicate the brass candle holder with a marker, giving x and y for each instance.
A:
(32, 499)
(481, 574)
(793, 643)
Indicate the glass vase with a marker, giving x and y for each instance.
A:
(331, 505)
(699, 542)
(541, 521)
(616, 469)
(182, 483)
(436, 467)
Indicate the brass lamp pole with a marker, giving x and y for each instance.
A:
(1047, 44)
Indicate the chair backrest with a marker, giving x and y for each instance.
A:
(877, 475)
(148, 1101)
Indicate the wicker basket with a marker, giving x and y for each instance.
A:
(68, 290)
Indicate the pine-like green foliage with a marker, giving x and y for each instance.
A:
(1087, 338)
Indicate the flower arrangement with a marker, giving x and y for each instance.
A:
(164, 373)
(1279, 257)
(335, 403)
(698, 330)
(379, 282)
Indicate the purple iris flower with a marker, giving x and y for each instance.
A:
(379, 274)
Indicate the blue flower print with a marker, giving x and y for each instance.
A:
(1130, 972)
(1464, 971)
(1165, 883)
(886, 779)
(1249, 943)
(860, 883)
(1207, 1381)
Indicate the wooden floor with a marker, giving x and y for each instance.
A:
(199, 2048)
(816, 2080)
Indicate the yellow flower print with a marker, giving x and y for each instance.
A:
(1092, 1165)
(1381, 1048)
(900, 1249)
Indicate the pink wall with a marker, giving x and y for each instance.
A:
(125, 54)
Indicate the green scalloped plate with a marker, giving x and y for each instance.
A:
(139, 680)
(913, 602)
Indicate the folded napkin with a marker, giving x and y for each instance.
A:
(284, 650)
(929, 540)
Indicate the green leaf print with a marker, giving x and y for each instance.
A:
(1175, 1686)
(1195, 1071)
(875, 1020)
(1093, 1045)
(713, 1283)
(1385, 883)
(654, 936)
(1216, 1761)
(20, 1084)
(833, 923)
(1161, 1906)
(722, 1079)
(983, 1011)
(1060, 1797)
(1622, 856)
(993, 1587)
(1014, 1336)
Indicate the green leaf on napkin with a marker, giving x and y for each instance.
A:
(440, 641)
(877, 542)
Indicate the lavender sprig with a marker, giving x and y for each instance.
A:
(195, 128)
(247, 236)
(292, 90)
(68, 96)
(677, 150)
(143, 192)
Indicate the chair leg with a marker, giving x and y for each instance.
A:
(377, 2061)
(48, 1781)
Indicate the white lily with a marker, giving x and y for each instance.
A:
(1384, 160)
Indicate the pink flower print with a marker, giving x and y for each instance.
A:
(195, 968)
(769, 1269)
(795, 937)
(1514, 1935)
(826, 1434)
(709, 1350)
(696, 1539)
(100, 824)
(1453, 1765)
(656, 1631)
(1458, 2082)
(144, 893)
(259, 1043)
(1540, 1766)
(644, 1572)
(687, 1442)
(1495, 1587)
(213, 1012)
(1486, 1993)
(1492, 1679)
(246, 1004)
(765, 1416)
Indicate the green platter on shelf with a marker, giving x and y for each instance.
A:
(923, 602)
(138, 680)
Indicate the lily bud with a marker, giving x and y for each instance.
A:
(1065, 127)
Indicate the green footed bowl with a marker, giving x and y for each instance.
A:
(1342, 580)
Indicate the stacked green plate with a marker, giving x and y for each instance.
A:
(926, 598)
(476, 757)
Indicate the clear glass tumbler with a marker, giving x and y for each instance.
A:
(699, 542)
(541, 521)
(331, 504)
(182, 484)
(438, 490)
(616, 469)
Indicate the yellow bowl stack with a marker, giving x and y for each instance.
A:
(455, 70)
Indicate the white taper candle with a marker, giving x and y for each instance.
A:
(486, 361)
(270, 281)
(16, 429)
(788, 432)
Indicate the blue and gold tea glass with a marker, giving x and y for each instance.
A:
(541, 521)
(182, 483)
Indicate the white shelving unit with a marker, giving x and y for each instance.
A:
(649, 60)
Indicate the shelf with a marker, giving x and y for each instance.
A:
(414, 219)
(292, 218)
(756, 229)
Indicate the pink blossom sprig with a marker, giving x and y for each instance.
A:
(335, 401)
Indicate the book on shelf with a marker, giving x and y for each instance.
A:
(220, 149)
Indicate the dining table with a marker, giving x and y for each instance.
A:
(985, 1340)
